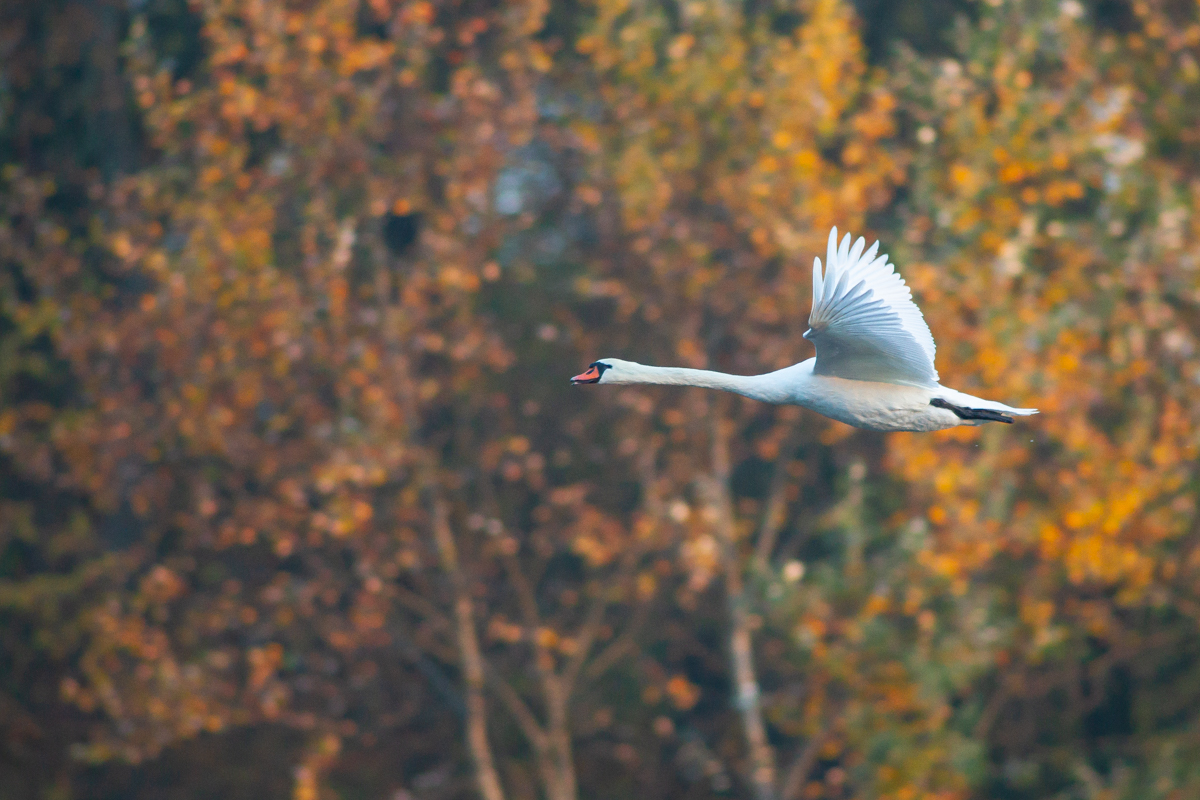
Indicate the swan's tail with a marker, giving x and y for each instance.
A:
(977, 409)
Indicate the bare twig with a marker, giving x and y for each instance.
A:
(624, 645)
(586, 636)
(526, 721)
(423, 607)
(802, 765)
(441, 684)
(774, 514)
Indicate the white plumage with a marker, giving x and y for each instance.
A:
(864, 323)
(875, 356)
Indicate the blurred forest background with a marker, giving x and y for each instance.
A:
(296, 500)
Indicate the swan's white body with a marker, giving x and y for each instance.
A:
(874, 366)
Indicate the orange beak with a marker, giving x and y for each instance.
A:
(591, 376)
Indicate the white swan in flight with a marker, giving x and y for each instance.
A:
(874, 365)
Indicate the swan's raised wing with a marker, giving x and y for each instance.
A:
(864, 323)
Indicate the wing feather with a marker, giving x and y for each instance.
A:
(863, 322)
(818, 283)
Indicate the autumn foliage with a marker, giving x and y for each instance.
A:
(295, 499)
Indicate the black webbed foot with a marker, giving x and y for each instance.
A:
(971, 413)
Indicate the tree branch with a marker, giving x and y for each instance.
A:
(747, 695)
(486, 776)
(441, 684)
(556, 762)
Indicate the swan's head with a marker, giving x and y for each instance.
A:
(606, 370)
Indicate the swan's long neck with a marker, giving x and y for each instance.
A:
(753, 386)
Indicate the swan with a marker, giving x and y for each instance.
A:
(874, 363)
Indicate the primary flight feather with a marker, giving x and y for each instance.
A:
(874, 365)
